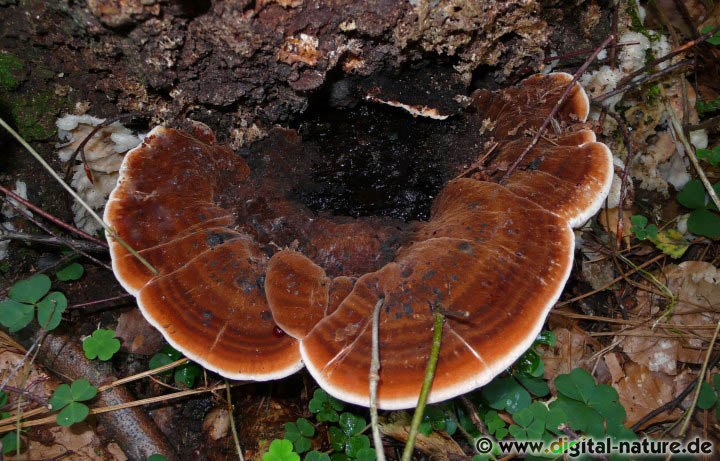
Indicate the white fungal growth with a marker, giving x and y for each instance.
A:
(103, 154)
(9, 213)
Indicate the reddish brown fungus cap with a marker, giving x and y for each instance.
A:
(208, 299)
(494, 255)
(499, 253)
(475, 226)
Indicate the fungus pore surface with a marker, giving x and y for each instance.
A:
(253, 284)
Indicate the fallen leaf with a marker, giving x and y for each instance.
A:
(137, 335)
(642, 391)
(688, 324)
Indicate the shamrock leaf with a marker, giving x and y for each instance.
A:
(102, 344)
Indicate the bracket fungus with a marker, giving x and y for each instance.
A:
(498, 246)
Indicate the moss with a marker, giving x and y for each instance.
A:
(35, 113)
(11, 69)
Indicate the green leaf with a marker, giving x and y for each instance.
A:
(351, 424)
(337, 438)
(355, 444)
(160, 360)
(556, 416)
(296, 432)
(50, 310)
(536, 386)
(707, 397)
(366, 454)
(281, 450)
(705, 107)
(71, 272)
(156, 457)
(705, 223)
(75, 412)
(712, 156)
(14, 315)
(317, 456)
(101, 344)
(324, 406)
(9, 443)
(61, 397)
(425, 428)
(302, 445)
(715, 38)
(693, 195)
(3, 399)
(547, 338)
(672, 242)
(81, 389)
(30, 290)
(506, 394)
(305, 427)
(531, 363)
(577, 385)
(641, 229)
(187, 374)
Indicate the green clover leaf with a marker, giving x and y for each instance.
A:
(71, 272)
(102, 345)
(281, 450)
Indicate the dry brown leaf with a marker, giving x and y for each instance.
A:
(641, 391)
(696, 285)
(608, 219)
(573, 349)
(612, 362)
(137, 335)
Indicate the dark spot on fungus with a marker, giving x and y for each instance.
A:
(466, 248)
(266, 315)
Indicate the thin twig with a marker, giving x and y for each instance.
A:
(373, 379)
(52, 241)
(626, 173)
(110, 231)
(51, 218)
(100, 301)
(648, 78)
(136, 403)
(238, 448)
(80, 149)
(612, 54)
(427, 382)
(474, 417)
(67, 242)
(698, 386)
(35, 345)
(682, 48)
(558, 105)
(611, 282)
(27, 394)
(690, 151)
(135, 377)
(675, 401)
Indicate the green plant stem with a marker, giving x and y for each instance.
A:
(373, 381)
(701, 378)
(425, 390)
(74, 194)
